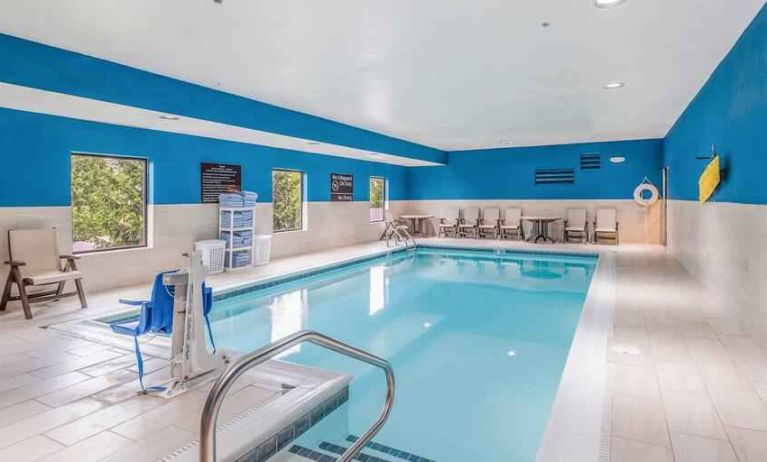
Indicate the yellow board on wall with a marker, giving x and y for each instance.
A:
(709, 180)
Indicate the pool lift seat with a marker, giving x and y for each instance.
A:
(174, 301)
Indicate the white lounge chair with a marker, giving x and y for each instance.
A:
(449, 223)
(35, 261)
(512, 224)
(469, 223)
(576, 225)
(488, 226)
(606, 225)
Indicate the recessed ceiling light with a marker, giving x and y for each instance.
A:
(313, 143)
(374, 155)
(169, 117)
(613, 85)
(608, 3)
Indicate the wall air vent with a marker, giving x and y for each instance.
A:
(591, 161)
(554, 176)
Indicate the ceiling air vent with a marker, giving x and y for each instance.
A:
(592, 161)
(554, 176)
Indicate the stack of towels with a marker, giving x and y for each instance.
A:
(243, 219)
(240, 259)
(238, 199)
(239, 238)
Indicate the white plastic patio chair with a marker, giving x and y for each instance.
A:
(468, 225)
(576, 225)
(35, 261)
(488, 226)
(606, 225)
(512, 224)
(449, 223)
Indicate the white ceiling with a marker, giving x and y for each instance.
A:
(451, 74)
(60, 104)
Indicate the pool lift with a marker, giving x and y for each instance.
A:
(191, 362)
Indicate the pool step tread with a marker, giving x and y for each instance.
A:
(318, 456)
(390, 451)
(362, 457)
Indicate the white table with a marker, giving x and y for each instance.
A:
(541, 226)
(417, 221)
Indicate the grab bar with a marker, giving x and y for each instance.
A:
(239, 367)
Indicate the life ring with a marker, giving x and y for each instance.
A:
(639, 194)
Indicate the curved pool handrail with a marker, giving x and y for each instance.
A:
(243, 364)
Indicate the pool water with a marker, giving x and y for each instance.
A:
(478, 341)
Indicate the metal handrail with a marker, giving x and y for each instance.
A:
(239, 367)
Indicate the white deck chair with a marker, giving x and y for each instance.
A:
(449, 223)
(469, 223)
(488, 226)
(35, 261)
(606, 225)
(576, 225)
(512, 224)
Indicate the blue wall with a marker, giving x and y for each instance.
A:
(509, 173)
(35, 65)
(35, 149)
(730, 112)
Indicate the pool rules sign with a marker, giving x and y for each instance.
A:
(341, 187)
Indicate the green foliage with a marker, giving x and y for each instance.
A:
(376, 193)
(108, 201)
(286, 200)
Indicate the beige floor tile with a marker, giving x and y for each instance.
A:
(693, 414)
(97, 370)
(626, 450)
(15, 381)
(679, 378)
(639, 419)
(748, 357)
(179, 411)
(12, 414)
(77, 362)
(689, 448)
(104, 419)
(86, 388)
(93, 449)
(156, 445)
(20, 394)
(740, 408)
(45, 421)
(750, 445)
(30, 449)
(633, 380)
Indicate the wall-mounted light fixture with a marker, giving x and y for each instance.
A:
(617, 159)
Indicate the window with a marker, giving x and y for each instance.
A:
(108, 202)
(287, 200)
(377, 199)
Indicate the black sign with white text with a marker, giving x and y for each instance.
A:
(341, 187)
(218, 178)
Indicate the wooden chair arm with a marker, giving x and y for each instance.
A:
(15, 263)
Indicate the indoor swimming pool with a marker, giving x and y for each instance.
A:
(477, 339)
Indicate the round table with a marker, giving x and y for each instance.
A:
(541, 226)
(416, 219)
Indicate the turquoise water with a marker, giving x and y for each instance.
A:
(478, 342)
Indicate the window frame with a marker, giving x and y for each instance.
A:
(383, 197)
(144, 199)
(301, 192)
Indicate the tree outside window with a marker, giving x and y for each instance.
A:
(377, 199)
(108, 202)
(287, 200)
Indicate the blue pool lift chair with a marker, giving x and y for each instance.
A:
(157, 317)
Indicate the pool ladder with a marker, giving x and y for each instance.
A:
(399, 234)
(243, 364)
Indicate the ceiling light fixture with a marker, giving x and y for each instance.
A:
(169, 117)
(608, 3)
(613, 85)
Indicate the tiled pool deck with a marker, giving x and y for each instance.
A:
(686, 385)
